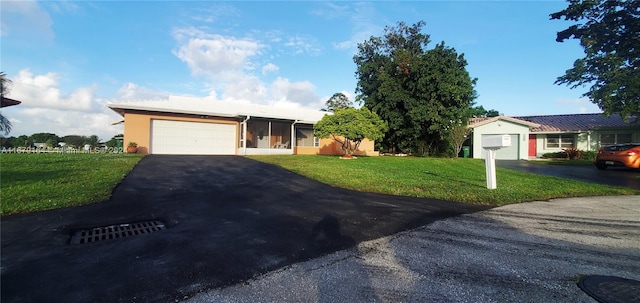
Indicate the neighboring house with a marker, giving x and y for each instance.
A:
(533, 136)
(185, 125)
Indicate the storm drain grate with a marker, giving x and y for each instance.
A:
(609, 289)
(116, 231)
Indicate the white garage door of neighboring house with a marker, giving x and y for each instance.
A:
(507, 153)
(192, 138)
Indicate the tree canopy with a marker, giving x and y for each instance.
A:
(349, 126)
(52, 140)
(480, 112)
(421, 93)
(5, 83)
(609, 32)
(337, 101)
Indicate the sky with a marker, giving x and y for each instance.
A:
(69, 59)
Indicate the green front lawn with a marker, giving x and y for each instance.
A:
(448, 179)
(33, 182)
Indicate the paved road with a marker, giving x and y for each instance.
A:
(529, 252)
(228, 219)
(613, 176)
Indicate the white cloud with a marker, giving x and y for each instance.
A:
(302, 92)
(45, 108)
(28, 121)
(63, 6)
(132, 91)
(25, 21)
(269, 68)
(303, 45)
(247, 89)
(43, 91)
(213, 12)
(214, 56)
(331, 11)
(231, 64)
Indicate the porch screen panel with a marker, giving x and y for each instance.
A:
(280, 135)
(304, 137)
(257, 134)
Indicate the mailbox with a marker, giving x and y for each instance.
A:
(491, 144)
(496, 141)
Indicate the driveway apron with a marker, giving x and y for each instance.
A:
(227, 219)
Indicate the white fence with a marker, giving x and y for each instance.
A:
(61, 150)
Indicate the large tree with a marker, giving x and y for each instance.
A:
(421, 93)
(349, 126)
(337, 101)
(609, 32)
(480, 112)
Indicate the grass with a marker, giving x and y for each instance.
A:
(34, 182)
(448, 179)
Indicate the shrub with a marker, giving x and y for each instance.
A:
(589, 155)
(556, 155)
(573, 153)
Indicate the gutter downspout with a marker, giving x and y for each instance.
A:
(244, 134)
(293, 136)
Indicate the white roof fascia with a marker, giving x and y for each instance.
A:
(507, 119)
(198, 106)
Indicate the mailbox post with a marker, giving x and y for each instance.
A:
(491, 144)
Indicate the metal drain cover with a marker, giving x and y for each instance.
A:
(117, 231)
(609, 289)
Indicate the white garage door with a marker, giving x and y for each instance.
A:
(507, 153)
(192, 138)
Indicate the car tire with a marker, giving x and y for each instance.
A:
(601, 166)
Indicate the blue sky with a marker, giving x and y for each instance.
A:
(68, 59)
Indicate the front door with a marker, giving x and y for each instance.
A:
(533, 147)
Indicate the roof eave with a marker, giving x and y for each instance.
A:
(505, 118)
(120, 108)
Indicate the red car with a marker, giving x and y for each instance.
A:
(624, 155)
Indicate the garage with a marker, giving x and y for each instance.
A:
(192, 138)
(507, 153)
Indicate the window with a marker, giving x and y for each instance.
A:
(304, 137)
(559, 141)
(623, 138)
(608, 139)
(553, 141)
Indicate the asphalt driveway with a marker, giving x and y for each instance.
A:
(624, 177)
(228, 219)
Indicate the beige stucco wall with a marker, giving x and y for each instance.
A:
(328, 146)
(137, 126)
